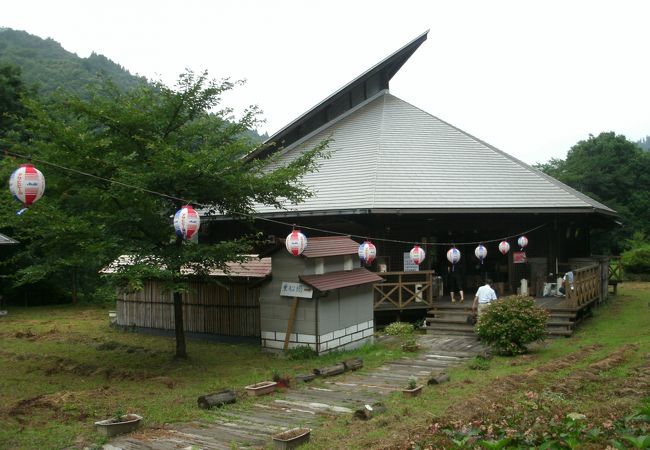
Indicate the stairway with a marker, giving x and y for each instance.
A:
(447, 318)
(450, 319)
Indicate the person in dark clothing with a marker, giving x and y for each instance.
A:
(455, 283)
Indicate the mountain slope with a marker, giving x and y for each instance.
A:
(49, 66)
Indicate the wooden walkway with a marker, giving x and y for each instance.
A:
(252, 427)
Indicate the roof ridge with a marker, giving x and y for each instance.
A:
(583, 197)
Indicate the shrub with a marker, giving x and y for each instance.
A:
(510, 323)
(401, 329)
(637, 259)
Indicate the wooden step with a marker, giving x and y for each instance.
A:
(446, 320)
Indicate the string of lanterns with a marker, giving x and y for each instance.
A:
(27, 185)
(296, 243)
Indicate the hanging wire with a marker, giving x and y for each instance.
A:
(267, 219)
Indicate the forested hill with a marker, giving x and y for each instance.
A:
(48, 66)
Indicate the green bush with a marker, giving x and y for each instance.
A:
(637, 259)
(512, 322)
(401, 329)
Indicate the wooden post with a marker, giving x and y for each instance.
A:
(292, 319)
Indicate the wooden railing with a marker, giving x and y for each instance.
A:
(586, 286)
(403, 290)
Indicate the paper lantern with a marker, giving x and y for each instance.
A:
(296, 243)
(522, 241)
(417, 254)
(27, 184)
(367, 252)
(453, 255)
(186, 222)
(504, 247)
(480, 252)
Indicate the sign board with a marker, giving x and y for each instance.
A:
(409, 265)
(518, 257)
(296, 290)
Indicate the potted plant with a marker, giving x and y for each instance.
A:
(409, 344)
(291, 438)
(412, 388)
(263, 388)
(120, 423)
(406, 334)
(282, 381)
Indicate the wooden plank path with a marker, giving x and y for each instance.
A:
(251, 427)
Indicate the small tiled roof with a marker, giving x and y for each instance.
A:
(318, 247)
(7, 240)
(253, 267)
(341, 279)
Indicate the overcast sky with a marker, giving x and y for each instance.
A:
(531, 78)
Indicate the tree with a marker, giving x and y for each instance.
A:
(12, 90)
(176, 147)
(614, 171)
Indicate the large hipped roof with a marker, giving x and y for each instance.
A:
(390, 156)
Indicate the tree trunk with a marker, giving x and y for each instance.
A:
(74, 285)
(353, 364)
(330, 370)
(438, 378)
(181, 351)
(217, 399)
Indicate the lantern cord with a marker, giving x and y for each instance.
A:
(266, 219)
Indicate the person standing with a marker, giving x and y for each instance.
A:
(455, 282)
(484, 296)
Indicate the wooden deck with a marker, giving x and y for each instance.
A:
(252, 426)
(406, 290)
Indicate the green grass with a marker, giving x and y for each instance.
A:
(620, 324)
(63, 368)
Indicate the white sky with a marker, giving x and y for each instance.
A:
(529, 77)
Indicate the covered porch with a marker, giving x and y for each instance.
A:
(408, 292)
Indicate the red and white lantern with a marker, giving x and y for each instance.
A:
(417, 254)
(27, 184)
(480, 252)
(296, 243)
(523, 242)
(504, 247)
(186, 222)
(367, 252)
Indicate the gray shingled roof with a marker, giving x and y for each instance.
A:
(389, 155)
(6, 240)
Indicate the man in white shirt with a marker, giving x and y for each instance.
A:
(484, 296)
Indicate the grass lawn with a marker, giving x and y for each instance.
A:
(602, 371)
(63, 368)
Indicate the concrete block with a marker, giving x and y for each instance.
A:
(274, 344)
(371, 323)
(268, 334)
(339, 333)
(280, 336)
(306, 338)
(368, 332)
(345, 339)
(327, 337)
(357, 336)
(351, 329)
